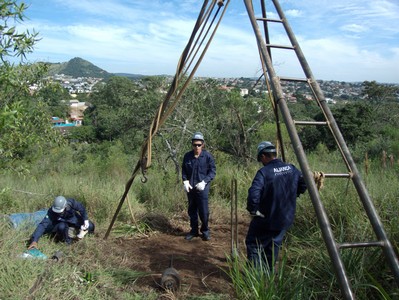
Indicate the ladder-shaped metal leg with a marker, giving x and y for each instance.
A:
(275, 81)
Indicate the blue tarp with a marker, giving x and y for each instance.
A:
(33, 253)
(19, 220)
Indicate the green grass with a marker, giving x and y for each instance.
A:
(80, 274)
(304, 271)
(258, 282)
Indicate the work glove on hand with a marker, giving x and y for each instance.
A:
(201, 185)
(187, 186)
(85, 225)
(257, 214)
(32, 245)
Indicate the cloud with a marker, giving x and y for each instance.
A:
(354, 28)
(293, 13)
(336, 58)
(342, 40)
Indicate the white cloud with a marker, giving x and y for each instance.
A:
(334, 58)
(354, 28)
(96, 34)
(350, 41)
(293, 13)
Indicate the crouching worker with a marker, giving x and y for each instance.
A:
(63, 219)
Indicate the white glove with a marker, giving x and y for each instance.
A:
(201, 185)
(257, 214)
(187, 186)
(85, 225)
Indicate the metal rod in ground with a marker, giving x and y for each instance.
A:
(233, 218)
(236, 211)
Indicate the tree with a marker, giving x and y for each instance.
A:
(82, 134)
(56, 97)
(122, 109)
(13, 43)
(229, 122)
(378, 93)
(355, 121)
(25, 130)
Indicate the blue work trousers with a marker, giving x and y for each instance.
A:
(263, 245)
(198, 207)
(60, 229)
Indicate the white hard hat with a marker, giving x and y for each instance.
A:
(266, 146)
(198, 136)
(59, 204)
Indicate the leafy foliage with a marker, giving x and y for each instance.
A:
(24, 124)
(56, 97)
(377, 93)
(361, 124)
(229, 123)
(25, 132)
(13, 43)
(121, 109)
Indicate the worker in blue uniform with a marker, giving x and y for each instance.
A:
(198, 170)
(272, 203)
(64, 218)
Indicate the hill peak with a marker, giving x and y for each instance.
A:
(78, 67)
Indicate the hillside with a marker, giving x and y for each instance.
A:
(78, 67)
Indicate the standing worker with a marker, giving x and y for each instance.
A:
(63, 218)
(272, 203)
(198, 170)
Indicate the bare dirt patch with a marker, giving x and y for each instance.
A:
(200, 263)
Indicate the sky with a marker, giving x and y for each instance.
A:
(343, 40)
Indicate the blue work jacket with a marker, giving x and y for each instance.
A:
(273, 193)
(197, 169)
(74, 214)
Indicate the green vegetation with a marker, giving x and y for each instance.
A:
(99, 181)
(78, 67)
(92, 164)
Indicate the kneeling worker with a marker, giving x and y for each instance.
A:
(64, 218)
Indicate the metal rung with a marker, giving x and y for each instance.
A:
(309, 123)
(361, 244)
(293, 79)
(336, 175)
(280, 46)
(270, 20)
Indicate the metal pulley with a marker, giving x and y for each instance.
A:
(57, 256)
(170, 279)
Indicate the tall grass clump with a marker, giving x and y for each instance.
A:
(349, 223)
(257, 281)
